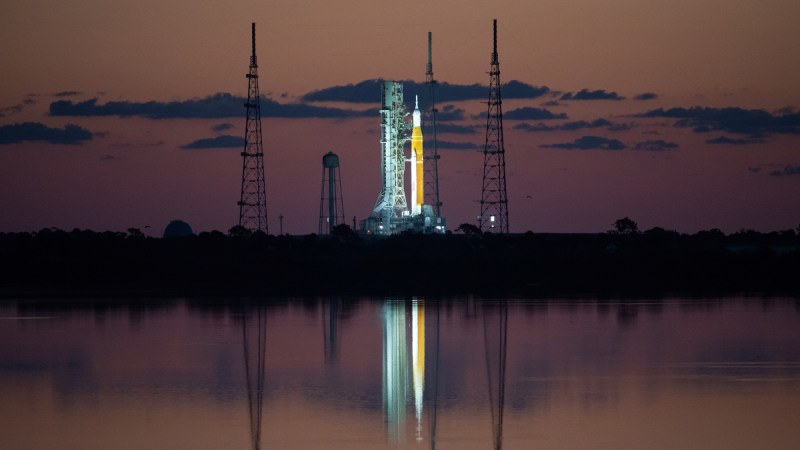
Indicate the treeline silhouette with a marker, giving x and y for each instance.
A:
(53, 261)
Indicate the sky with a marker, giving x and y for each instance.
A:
(677, 114)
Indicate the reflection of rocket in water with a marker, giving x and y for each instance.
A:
(418, 354)
(417, 170)
(395, 368)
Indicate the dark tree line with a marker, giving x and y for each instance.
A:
(622, 260)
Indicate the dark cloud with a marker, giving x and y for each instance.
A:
(449, 128)
(222, 127)
(646, 96)
(724, 140)
(586, 94)
(620, 126)
(757, 123)
(528, 113)
(449, 113)
(369, 91)
(658, 145)
(573, 126)
(33, 131)
(537, 127)
(67, 94)
(224, 141)
(11, 110)
(137, 144)
(787, 171)
(212, 107)
(551, 103)
(449, 145)
(589, 143)
(518, 89)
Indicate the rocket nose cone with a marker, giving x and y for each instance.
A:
(417, 117)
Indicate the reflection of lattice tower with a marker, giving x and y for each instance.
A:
(494, 203)
(253, 200)
(432, 156)
(331, 205)
(392, 198)
(254, 342)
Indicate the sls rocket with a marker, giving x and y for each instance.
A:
(417, 171)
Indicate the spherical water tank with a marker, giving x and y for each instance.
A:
(330, 160)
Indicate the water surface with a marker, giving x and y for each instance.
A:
(393, 373)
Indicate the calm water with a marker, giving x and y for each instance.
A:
(371, 373)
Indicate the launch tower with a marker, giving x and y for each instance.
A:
(494, 203)
(392, 199)
(253, 199)
(391, 213)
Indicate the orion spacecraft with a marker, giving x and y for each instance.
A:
(393, 213)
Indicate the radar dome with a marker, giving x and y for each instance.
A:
(178, 228)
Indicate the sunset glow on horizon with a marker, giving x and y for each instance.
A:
(682, 115)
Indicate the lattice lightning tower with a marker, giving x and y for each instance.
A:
(253, 200)
(494, 203)
(432, 159)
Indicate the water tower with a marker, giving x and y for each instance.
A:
(331, 205)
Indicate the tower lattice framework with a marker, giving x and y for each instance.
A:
(253, 200)
(431, 160)
(494, 202)
(392, 198)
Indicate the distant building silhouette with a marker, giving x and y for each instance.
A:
(178, 228)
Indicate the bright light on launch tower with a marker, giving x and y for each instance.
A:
(392, 199)
(391, 213)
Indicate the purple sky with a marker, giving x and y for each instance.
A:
(677, 114)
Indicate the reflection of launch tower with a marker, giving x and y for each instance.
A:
(397, 366)
(391, 213)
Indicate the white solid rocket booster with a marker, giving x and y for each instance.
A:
(417, 171)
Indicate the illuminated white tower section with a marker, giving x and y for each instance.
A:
(392, 199)
(417, 170)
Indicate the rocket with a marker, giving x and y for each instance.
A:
(417, 171)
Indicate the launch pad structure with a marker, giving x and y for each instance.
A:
(392, 213)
